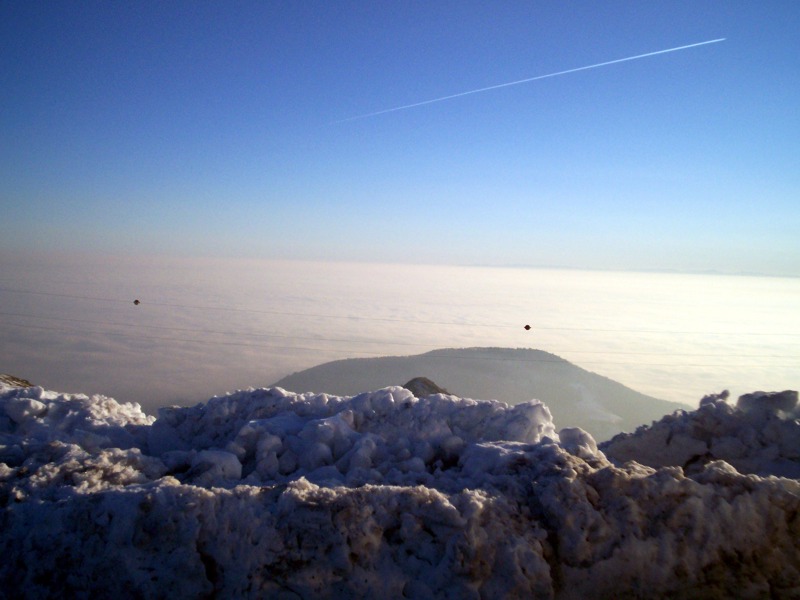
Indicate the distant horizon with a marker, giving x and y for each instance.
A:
(104, 258)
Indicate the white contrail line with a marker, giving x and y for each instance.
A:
(529, 79)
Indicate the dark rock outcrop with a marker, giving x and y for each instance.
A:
(14, 381)
(422, 386)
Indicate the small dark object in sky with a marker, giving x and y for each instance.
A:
(136, 302)
(527, 327)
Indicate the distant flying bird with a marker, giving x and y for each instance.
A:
(136, 302)
(527, 327)
(528, 79)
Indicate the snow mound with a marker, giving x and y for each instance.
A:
(387, 436)
(761, 435)
(266, 493)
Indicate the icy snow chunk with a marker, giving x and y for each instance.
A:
(178, 460)
(214, 466)
(22, 409)
(785, 401)
(578, 442)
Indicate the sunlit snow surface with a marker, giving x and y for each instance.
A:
(266, 493)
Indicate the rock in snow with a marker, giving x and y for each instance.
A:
(422, 386)
(10, 380)
(265, 493)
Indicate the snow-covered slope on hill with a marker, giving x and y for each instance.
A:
(267, 493)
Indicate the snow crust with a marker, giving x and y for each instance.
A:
(761, 435)
(267, 493)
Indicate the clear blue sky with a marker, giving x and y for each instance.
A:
(215, 129)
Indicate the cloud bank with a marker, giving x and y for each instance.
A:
(209, 327)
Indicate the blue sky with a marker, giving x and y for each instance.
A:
(215, 129)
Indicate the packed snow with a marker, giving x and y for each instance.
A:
(268, 493)
(760, 435)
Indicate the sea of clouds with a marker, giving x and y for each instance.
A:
(268, 493)
(206, 327)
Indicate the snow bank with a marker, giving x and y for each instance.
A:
(266, 493)
(761, 435)
(387, 436)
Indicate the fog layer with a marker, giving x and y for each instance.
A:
(207, 327)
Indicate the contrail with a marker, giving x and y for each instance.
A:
(529, 79)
